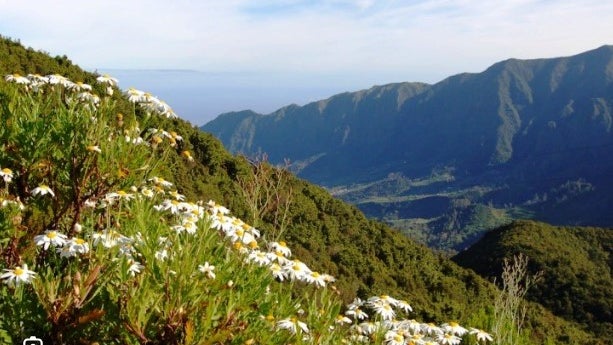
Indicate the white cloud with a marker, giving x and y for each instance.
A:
(436, 37)
(268, 53)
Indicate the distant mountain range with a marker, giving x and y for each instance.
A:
(443, 162)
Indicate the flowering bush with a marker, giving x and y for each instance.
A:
(97, 247)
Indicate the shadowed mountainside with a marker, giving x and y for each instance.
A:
(524, 138)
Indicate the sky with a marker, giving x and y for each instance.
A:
(207, 57)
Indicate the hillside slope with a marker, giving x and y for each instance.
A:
(367, 257)
(522, 138)
(576, 263)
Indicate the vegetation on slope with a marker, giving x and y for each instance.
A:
(328, 235)
(97, 247)
(483, 132)
(576, 263)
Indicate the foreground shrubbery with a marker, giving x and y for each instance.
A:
(97, 246)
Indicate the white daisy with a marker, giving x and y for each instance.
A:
(50, 237)
(18, 275)
(278, 272)
(78, 245)
(259, 257)
(448, 339)
(6, 174)
(296, 270)
(17, 79)
(135, 267)
(109, 238)
(207, 269)
(384, 310)
(281, 247)
(316, 279)
(357, 313)
(481, 335)
(43, 189)
(161, 254)
(393, 338)
(454, 328)
(292, 324)
(215, 209)
(342, 319)
(106, 79)
(431, 329)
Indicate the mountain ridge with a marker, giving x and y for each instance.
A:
(521, 130)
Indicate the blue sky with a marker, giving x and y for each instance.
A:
(268, 53)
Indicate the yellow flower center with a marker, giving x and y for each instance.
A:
(51, 235)
(18, 271)
(79, 241)
(7, 171)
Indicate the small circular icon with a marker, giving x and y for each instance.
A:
(33, 341)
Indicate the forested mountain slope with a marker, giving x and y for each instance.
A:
(576, 263)
(443, 162)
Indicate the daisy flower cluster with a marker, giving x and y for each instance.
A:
(159, 135)
(110, 237)
(187, 214)
(276, 256)
(150, 103)
(383, 320)
(82, 92)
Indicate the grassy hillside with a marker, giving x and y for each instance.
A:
(47, 141)
(576, 263)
